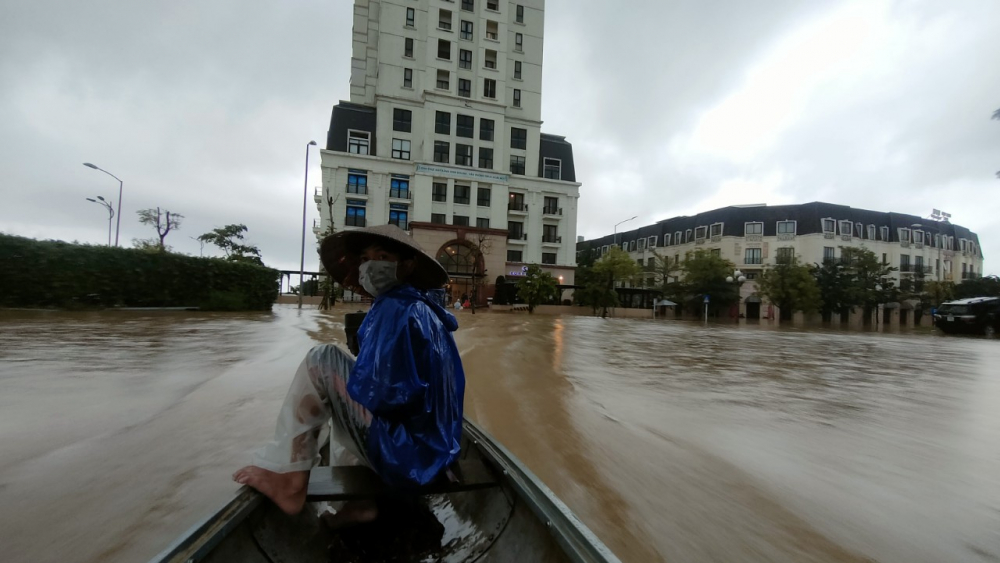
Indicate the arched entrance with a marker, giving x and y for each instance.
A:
(464, 265)
(753, 307)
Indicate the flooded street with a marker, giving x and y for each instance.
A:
(672, 441)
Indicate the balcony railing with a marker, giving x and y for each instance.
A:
(519, 207)
(354, 221)
(552, 211)
(318, 194)
(399, 194)
(555, 239)
(517, 235)
(359, 189)
(317, 225)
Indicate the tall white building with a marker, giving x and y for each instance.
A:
(442, 136)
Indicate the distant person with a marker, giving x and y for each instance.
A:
(399, 409)
(458, 305)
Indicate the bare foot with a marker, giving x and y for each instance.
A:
(287, 490)
(353, 512)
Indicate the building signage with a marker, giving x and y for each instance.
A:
(523, 272)
(462, 173)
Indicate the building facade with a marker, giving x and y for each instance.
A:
(754, 237)
(442, 136)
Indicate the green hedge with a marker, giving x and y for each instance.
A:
(58, 274)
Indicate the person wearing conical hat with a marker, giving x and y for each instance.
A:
(398, 408)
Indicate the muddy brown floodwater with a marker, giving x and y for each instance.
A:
(672, 441)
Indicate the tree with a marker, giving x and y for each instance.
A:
(230, 240)
(869, 280)
(662, 270)
(833, 282)
(536, 287)
(482, 244)
(704, 273)
(615, 266)
(936, 293)
(988, 286)
(162, 220)
(791, 286)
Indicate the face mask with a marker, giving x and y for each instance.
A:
(377, 276)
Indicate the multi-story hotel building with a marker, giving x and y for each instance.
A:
(754, 237)
(442, 137)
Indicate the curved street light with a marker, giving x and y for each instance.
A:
(120, 185)
(302, 255)
(619, 223)
(111, 212)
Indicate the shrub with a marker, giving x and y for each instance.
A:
(59, 274)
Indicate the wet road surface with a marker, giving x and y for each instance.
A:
(672, 441)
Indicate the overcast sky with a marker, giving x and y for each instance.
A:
(673, 107)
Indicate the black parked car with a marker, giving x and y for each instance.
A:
(975, 315)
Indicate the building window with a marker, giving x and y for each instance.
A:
(552, 168)
(469, 5)
(904, 235)
(845, 228)
(408, 47)
(904, 263)
(483, 197)
(442, 123)
(666, 240)
(411, 15)
(401, 119)
(486, 158)
(518, 138)
(466, 31)
(493, 5)
(463, 155)
(517, 202)
(485, 129)
(439, 192)
(514, 256)
(871, 232)
(786, 227)
(483, 223)
(550, 206)
(442, 151)
(859, 230)
(677, 238)
(519, 14)
(444, 20)
(717, 252)
(548, 258)
(407, 78)
(438, 218)
(753, 229)
(515, 230)
(401, 149)
(464, 88)
(465, 58)
(357, 142)
(460, 220)
(399, 218)
(651, 242)
(355, 213)
(752, 256)
(517, 70)
(829, 226)
(641, 244)
(444, 49)
(700, 232)
(489, 88)
(918, 237)
(828, 253)
(516, 164)
(518, 42)
(550, 233)
(884, 233)
(490, 59)
(785, 254)
(465, 126)
(517, 98)
(491, 30)
(357, 183)
(715, 230)
(462, 194)
(937, 241)
(399, 187)
(443, 80)
(687, 235)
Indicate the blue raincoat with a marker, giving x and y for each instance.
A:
(410, 376)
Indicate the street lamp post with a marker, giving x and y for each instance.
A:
(120, 186)
(615, 236)
(302, 255)
(111, 212)
(738, 278)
